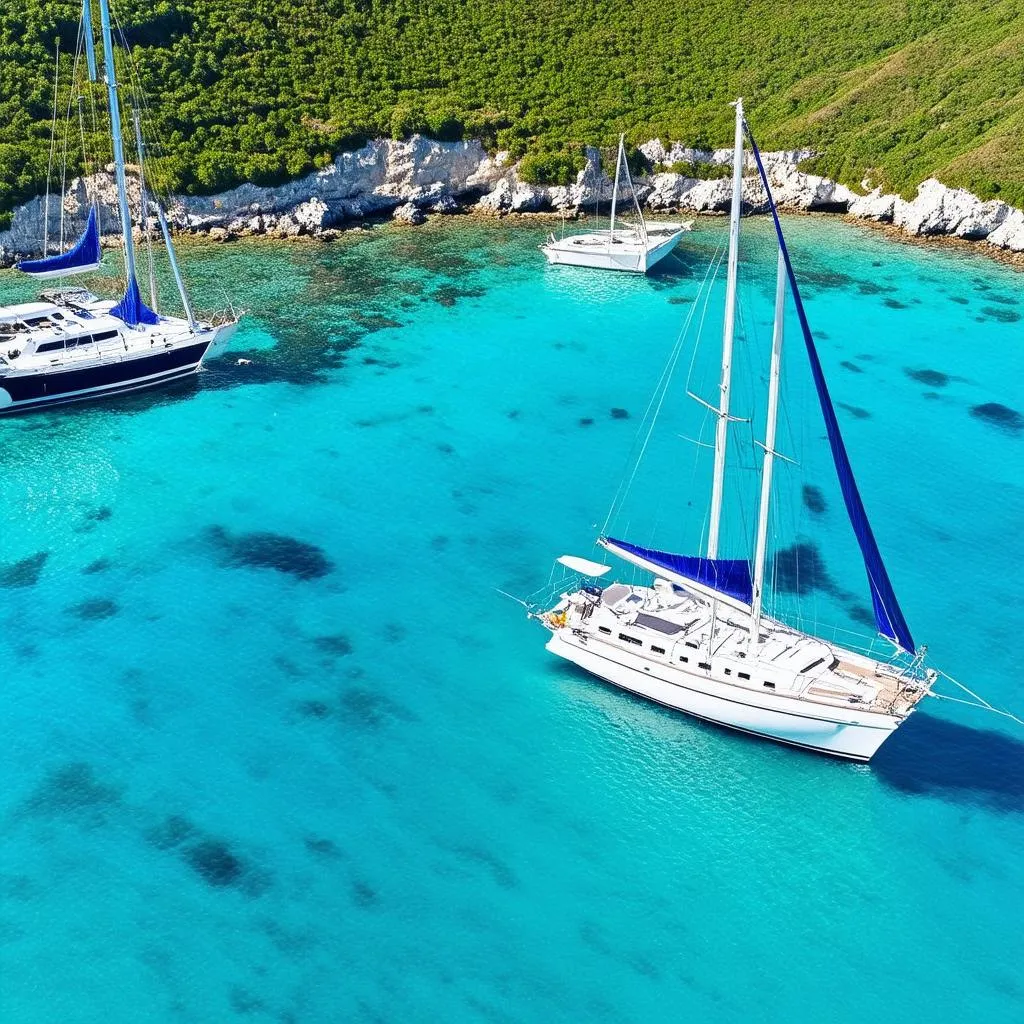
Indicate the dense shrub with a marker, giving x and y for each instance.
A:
(264, 89)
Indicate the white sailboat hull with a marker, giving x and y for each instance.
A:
(598, 251)
(841, 732)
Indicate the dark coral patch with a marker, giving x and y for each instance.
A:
(264, 550)
(363, 894)
(961, 300)
(24, 573)
(71, 789)
(586, 421)
(322, 847)
(336, 645)
(1006, 316)
(895, 304)
(1001, 416)
(852, 367)
(371, 709)
(814, 500)
(932, 378)
(620, 414)
(1004, 300)
(314, 709)
(214, 862)
(94, 609)
(100, 565)
(861, 615)
(855, 411)
(800, 569)
(100, 515)
(171, 832)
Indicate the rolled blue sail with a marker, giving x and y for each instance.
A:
(132, 310)
(888, 615)
(82, 258)
(730, 576)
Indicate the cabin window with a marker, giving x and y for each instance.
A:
(604, 629)
(728, 671)
(630, 639)
(771, 686)
(704, 664)
(50, 346)
(743, 675)
(690, 643)
(104, 336)
(813, 664)
(657, 650)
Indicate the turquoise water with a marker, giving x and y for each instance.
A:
(275, 749)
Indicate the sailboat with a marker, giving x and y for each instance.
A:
(698, 638)
(634, 248)
(71, 345)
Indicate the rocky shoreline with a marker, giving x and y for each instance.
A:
(411, 180)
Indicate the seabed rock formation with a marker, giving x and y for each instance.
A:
(412, 179)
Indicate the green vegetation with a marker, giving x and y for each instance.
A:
(270, 89)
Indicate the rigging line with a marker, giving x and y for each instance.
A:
(981, 700)
(49, 164)
(662, 387)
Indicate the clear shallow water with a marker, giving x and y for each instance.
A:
(354, 786)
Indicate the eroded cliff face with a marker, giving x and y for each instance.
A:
(409, 180)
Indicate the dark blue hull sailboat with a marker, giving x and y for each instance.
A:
(72, 346)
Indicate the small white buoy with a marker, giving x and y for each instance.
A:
(244, 362)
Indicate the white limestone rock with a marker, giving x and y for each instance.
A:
(940, 210)
(409, 213)
(796, 190)
(876, 205)
(1009, 235)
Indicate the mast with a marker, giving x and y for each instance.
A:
(722, 431)
(115, 131)
(615, 191)
(144, 201)
(761, 548)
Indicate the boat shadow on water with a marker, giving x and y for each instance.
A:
(934, 757)
(927, 756)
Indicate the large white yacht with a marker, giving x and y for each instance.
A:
(697, 638)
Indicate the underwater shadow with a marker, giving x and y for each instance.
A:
(934, 757)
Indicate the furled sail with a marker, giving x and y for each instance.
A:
(132, 310)
(727, 577)
(888, 615)
(82, 258)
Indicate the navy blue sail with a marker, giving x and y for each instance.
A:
(888, 615)
(729, 576)
(132, 310)
(82, 258)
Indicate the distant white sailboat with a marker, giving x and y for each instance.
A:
(634, 248)
(697, 640)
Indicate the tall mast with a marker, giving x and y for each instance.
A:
(615, 191)
(115, 131)
(761, 548)
(722, 431)
(144, 203)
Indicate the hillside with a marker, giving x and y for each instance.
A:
(266, 90)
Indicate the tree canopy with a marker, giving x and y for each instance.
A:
(270, 89)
